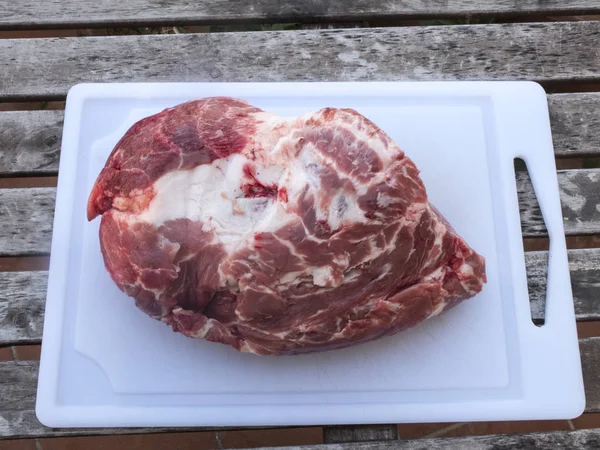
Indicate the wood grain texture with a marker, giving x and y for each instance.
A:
(572, 440)
(585, 280)
(47, 68)
(22, 302)
(26, 214)
(18, 386)
(359, 433)
(89, 13)
(18, 383)
(579, 196)
(575, 120)
(590, 361)
(30, 140)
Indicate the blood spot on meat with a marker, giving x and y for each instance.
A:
(283, 196)
(254, 188)
(259, 190)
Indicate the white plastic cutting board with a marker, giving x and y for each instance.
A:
(104, 363)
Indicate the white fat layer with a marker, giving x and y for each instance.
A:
(343, 210)
(291, 277)
(304, 172)
(321, 275)
(271, 133)
(269, 175)
(438, 309)
(211, 193)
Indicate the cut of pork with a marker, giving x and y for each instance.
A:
(276, 235)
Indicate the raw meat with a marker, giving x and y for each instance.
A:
(276, 235)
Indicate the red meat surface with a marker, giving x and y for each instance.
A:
(276, 235)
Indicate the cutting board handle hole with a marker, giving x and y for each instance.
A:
(535, 243)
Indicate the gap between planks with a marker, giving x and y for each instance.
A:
(180, 27)
(532, 244)
(41, 106)
(58, 102)
(28, 182)
(24, 263)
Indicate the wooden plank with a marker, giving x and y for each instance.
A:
(575, 122)
(22, 296)
(18, 386)
(573, 440)
(22, 302)
(30, 140)
(359, 433)
(579, 195)
(88, 13)
(27, 214)
(47, 68)
(585, 280)
(590, 361)
(18, 383)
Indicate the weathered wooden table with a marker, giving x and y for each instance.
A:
(555, 42)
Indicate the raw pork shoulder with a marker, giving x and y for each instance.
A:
(276, 235)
